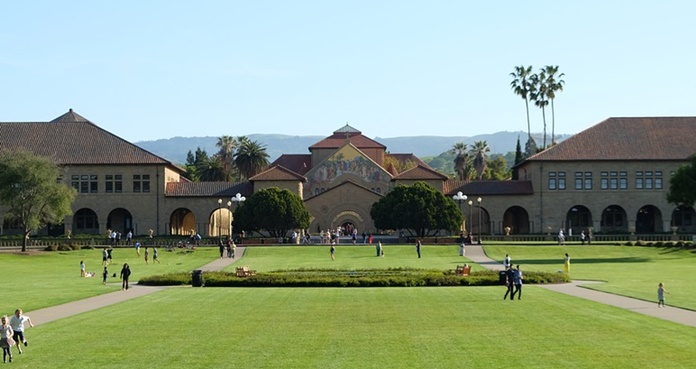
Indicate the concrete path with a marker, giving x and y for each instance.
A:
(677, 315)
(50, 314)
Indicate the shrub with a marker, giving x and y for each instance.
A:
(351, 278)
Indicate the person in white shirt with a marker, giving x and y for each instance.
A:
(17, 323)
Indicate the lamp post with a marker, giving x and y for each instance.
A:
(459, 197)
(237, 199)
(220, 220)
(229, 219)
(471, 224)
(479, 222)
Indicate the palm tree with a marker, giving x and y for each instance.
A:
(251, 157)
(461, 160)
(479, 151)
(540, 97)
(553, 86)
(209, 169)
(522, 86)
(227, 145)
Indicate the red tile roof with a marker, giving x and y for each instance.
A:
(658, 138)
(488, 188)
(421, 172)
(73, 140)
(350, 134)
(207, 189)
(278, 173)
(298, 163)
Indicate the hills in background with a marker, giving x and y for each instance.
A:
(175, 149)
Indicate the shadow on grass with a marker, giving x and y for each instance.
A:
(581, 261)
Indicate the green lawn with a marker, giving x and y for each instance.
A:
(425, 327)
(627, 270)
(37, 280)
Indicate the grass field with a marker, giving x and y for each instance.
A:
(433, 327)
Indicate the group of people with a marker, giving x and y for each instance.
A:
(229, 246)
(513, 279)
(115, 237)
(583, 237)
(12, 333)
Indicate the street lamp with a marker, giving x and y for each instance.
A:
(459, 197)
(471, 223)
(479, 222)
(229, 219)
(220, 220)
(237, 199)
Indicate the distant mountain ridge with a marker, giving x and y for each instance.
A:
(175, 149)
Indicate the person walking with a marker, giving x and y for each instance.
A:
(582, 238)
(6, 340)
(233, 247)
(109, 257)
(154, 255)
(105, 255)
(221, 248)
(333, 252)
(462, 251)
(379, 248)
(105, 275)
(566, 263)
(509, 283)
(17, 322)
(125, 274)
(137, 247)
(82, 268)
(661, 295)
(147, 256)
(507, 262)
(517, 281)
(418, 248)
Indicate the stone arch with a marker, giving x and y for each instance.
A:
(683, 218)
(614, 220)
(348, 220)
(648, 219)
(182, 222)
(85, 221)
(578, 218)
(480, 221)
(120, 220)
(220, 223)
(517, 218)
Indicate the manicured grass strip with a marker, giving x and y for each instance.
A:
(41, 279)
(359, 328)
(631, 271)
(353, 257)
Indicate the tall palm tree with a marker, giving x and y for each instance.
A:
(461, 160)
(540, 97)
(479, 151)
(251, 157)
(227, 146)
(209, 169)
(522, 86)
(553, 85)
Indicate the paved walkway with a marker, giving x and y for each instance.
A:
(677, 315)
(474, 252)
(50, 314)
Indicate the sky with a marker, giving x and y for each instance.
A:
(147, 70)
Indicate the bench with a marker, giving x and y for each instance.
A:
(245, 272)
(462, 270)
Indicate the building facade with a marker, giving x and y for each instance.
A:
(612, 177)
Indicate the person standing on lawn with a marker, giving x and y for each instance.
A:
(333, 252)
(105, 275)
(17, 322)
(125, 274)
(661, 295)
(418, 248)
(509, 282)
(6, 340)
(566, 263)
(517, 281)
(82, 268)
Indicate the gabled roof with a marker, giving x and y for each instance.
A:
(408, 157)
(73, 140)
(656, 138)
(488, 188)
(349, 134)
(278, 173)
(342, 184)
(420, 172)
(207, 189)
(298, 163)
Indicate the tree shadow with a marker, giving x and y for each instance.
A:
(580, 261)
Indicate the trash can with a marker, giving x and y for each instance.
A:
(502, 277)
(197, 278)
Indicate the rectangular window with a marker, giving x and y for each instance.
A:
(588, 183)
(623, 183)
(614, 183)
(562, 183)
(552, 183)
(604, 174)
(85, 183)
(578, 183)
(648, 183)
(658, 183)
(141, 183)
(113, 183)
(604, 183)
(639, 183)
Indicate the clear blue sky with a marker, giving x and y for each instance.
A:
(156, 69)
